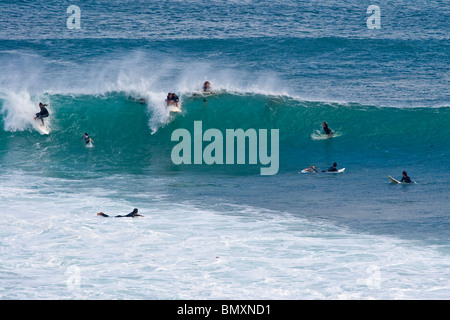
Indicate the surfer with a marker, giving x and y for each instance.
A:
(405, 178)
(43, 113)
(172, 98)
(207, 87)
(140, 100)
(86, 138)
(333, 168)
(310, 169)
(132, 214)
(326, 129)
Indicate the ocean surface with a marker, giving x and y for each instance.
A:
(224, 231)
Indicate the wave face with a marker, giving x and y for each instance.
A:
(129, 134)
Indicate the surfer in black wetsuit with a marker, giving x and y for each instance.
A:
(405, 178)
(172, 98)
(132, 214)
(326, 129)
(43, 113)
(333, 168)
(86, 138)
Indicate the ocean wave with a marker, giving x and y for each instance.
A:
(120, 115)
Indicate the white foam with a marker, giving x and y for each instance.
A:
(19, 110)
(55, 247)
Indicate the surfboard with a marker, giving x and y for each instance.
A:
(89, 145)
(138, 100)
(42, 129)
(208, 94)
(307, 171)
(174, 109)
(394, 180)
(203, 93)
(317, 135)
(339, 171)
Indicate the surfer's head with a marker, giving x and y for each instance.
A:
(404, 173)
(41, 105)
(335, 164)
(135, 210)
(325, 124)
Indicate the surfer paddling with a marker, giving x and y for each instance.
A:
(333, 168)
(132, 214)
(138, 100)
(43, 113)
(311, 169)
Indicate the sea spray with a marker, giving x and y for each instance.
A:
(18, 110)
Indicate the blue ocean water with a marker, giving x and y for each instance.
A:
(225, 231)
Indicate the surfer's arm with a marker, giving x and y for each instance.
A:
(102, 214)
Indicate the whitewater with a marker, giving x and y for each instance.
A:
(224, 231)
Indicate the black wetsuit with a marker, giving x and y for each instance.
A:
(130, 215)
(327, 130)
(174, 98)
(331, 169)
(86, 139)
(42, 114)
(406, 179)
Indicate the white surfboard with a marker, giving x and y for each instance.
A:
(174, 109)
(89, 144)
(339, 171)
(42, 129)
(323, 136)
(203, 93)
(394, 180)
(308, 171)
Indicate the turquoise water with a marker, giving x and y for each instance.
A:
(224, 231)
